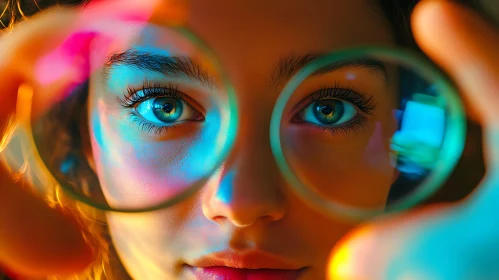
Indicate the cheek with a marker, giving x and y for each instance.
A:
(139, 169)
(151, 245)
(144, 247)
(353, 168)
(131, 174)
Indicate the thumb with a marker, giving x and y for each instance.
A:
(466, 47)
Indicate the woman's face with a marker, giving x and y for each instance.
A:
(246, 215)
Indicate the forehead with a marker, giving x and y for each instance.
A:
(262, 24)
(252, 37)
(255, 31)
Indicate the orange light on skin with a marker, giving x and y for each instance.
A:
(341, 264)
(161, 12)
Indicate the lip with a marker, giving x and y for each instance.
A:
(250, 265)
(223, 272)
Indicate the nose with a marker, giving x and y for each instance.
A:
(248, 188)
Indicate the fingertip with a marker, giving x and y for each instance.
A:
(425, 15)
(464, 45)
(434, 24)
(350, 258)
(375, 250)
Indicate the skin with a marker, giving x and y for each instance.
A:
(246, 205)
(478, 41)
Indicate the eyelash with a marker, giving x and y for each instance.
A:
(364, 104)
(148, 90)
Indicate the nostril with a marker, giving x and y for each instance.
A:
(219, 219)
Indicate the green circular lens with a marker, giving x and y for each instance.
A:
(365, 131)
(147, 129)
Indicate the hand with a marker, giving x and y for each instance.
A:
(35, 240)
(442, 242)
(48, 53)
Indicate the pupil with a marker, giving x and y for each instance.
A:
(168, 107)
(326, 110)
(329, 111)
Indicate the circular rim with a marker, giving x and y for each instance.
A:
(451, 150)
(225, 140)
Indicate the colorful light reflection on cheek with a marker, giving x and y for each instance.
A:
(225, 188)
(151, 169)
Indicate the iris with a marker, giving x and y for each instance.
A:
(167, 109)
(328, 111)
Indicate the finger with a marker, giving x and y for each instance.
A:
(466, 47)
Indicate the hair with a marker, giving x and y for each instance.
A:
(69, 138)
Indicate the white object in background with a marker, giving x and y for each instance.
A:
(416, 145)
(425, 122)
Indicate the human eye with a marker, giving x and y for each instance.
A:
(335, 109)
(156, 107)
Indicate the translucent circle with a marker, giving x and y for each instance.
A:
(365, 131)
(147, 128)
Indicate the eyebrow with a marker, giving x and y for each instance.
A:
(169, 66)
(287, 67)
(184, 67)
